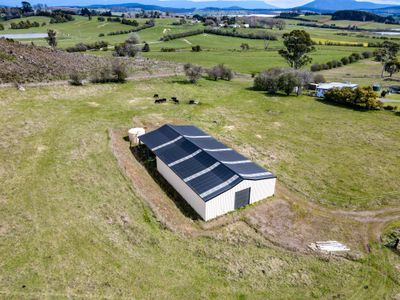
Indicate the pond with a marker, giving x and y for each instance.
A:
(392, 32)
(24, 35)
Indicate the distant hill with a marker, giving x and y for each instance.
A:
(334, 5)
(185, 5)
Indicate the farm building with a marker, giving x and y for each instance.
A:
(323, 87)
(213, 178)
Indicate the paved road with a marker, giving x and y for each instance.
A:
(389, 100)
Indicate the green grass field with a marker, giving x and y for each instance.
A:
(216, 49)
(61, 187)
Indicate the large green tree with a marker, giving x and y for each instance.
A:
(388, 56)
(298, 44)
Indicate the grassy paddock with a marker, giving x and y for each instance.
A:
(71, 226)
(216, 49)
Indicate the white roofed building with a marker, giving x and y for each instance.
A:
(323, 87)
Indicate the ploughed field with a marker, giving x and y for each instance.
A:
(72, 226)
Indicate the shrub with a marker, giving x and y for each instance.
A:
(196, 48)
(329, 64)
(119, 71)
(133, 23)
(129, 47)
(364, 98)
(319, 78)
(146, 47)
(324, 67)
(101, 34)
(115, 72)
(315, 68)
(390, 107)
(356, 56)
(220, 72)
(133, 38)
(168, 50)
(192, 72)
(287, 82)
(268, 80)
(366, 54)
(103, 75)
(345, 60)
(76, 78)
(1, 27)
(101, 19)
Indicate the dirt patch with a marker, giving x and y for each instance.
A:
(24, 63)
(286, 220)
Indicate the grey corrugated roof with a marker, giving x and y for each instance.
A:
(205, 164)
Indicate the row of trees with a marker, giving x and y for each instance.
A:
(24, 24)
(354, 57)
(357, 15)
(285, 80)
(260, 35)
(82, 47)
(148, 24)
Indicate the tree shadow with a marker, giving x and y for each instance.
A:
(148, 160)
(354, 108)
(182, 81)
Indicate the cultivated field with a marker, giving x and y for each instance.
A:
(72, 226)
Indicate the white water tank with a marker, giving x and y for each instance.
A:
(134, 133)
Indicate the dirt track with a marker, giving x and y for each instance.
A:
(287, 220)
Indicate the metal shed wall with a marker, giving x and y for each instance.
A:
(260, 189)
(182, 188)
(223, 203)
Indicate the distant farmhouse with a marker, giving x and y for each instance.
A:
(213, 178)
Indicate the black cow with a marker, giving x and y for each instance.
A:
(159, 101)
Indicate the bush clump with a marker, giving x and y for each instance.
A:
(361, 97)
(115, 72)
(220, 72)
(76, 78)
(196, 48)
(281, 79)
(193, 72)
(319, 78)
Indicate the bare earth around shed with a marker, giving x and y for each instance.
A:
(287, 220)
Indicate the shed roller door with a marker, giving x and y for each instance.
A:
(242, 198)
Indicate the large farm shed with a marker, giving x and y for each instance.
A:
(213, 178)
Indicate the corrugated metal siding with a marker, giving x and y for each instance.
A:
(182, 188)
(260, 189)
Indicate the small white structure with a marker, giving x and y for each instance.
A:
(329, 246)
(323, 87)
(134, 134)
(213, 178)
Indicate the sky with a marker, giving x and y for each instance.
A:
(277, 3)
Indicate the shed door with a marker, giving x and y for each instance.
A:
(242, 198)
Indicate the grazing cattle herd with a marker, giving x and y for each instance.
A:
(158, 100)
